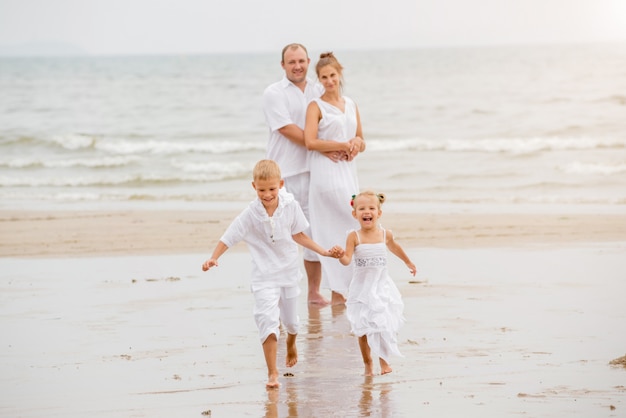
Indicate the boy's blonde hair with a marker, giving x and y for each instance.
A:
(379, 196)
(266, 170)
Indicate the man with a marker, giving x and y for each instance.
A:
(284, 104)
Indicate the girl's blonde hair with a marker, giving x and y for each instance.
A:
(369, 193)
(266, 170)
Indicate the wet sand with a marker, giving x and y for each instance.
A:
(505, 328)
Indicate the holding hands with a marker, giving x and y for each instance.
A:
(336, 252)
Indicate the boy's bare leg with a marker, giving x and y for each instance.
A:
(314, 277)
(367, 357)
(270, 348)
(384, 367)
(292, 351)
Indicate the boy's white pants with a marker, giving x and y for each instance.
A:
(275, 306)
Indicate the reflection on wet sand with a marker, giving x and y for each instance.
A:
(329, 374)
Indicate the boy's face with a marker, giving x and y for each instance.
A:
(267, 191)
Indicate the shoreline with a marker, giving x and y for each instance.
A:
(28, 234)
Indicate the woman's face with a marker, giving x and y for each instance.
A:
(330, 78)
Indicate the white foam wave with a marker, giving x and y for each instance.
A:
(170, 148)
(593, 168)
(98, 162)
(516, 146)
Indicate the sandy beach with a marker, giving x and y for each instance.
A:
(108, 314)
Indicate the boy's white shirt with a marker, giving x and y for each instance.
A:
(276, 260)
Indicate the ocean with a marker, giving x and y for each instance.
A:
(496, 129)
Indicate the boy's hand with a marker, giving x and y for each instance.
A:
(208, 264)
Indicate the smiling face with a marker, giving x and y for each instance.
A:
(296, 64)
(367, 211)
(330, 78)
(267, 191)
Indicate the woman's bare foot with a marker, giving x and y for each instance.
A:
(337, 299)
(292, 351)
(272, 381)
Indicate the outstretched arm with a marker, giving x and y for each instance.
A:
(397, 250)
(304, 240)
(220, 249)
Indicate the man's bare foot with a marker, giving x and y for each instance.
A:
(337, 299)
(292, 351)
(272, 381)
(317, 299)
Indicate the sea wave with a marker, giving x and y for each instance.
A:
(46, 162)
(115, 179)
(516, 146)
(606, 169)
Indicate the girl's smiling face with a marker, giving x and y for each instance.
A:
(367, 211)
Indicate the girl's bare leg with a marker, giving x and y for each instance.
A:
(292, 351)
(384, 367)
(270, 348)
(337, 298)
(367, 357)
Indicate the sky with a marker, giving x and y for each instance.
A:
(105, 27)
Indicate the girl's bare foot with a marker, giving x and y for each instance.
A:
(337, 299)
(369, 369)
(385, 367)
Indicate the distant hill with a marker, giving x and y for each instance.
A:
(41, 49)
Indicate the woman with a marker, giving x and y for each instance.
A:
(332, 124)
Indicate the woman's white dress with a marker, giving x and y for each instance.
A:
(374, 307)
(331, 188)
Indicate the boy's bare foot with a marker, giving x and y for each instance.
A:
(337, 299)
(272, 381)
(292, 351)
(369, 369)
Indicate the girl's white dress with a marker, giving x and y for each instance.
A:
(331, 187)
(374, 307)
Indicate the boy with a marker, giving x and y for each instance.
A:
(271, 226)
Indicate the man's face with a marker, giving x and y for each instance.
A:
(295, 63)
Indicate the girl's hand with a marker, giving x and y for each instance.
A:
(336, 252)
(412, 268)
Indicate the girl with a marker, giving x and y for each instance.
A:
(374, 306)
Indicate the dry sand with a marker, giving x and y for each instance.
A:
(57, 233)
(109, 315)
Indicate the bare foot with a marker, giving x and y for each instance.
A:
(317, 299)
(369, 369)
(337, 299)
(385, 367)
(272, 381)
(292, 351)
